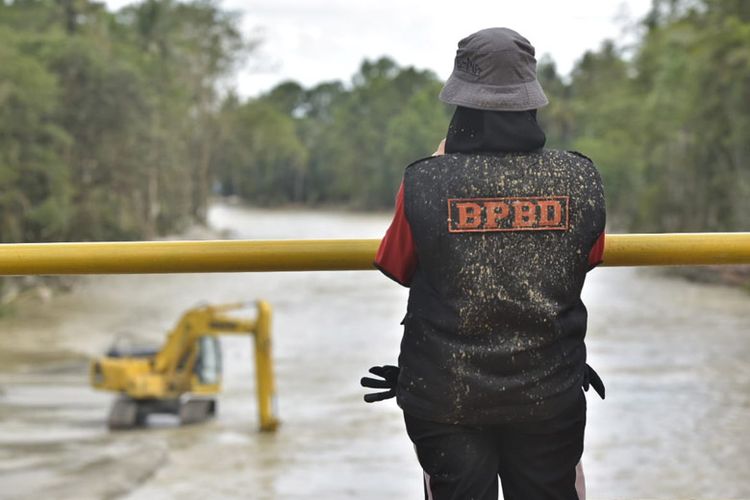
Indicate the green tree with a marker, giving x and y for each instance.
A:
(413, 133)
(35, 200)
(109, 120)
(262, 159)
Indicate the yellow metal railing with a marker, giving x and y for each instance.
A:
(324, 255)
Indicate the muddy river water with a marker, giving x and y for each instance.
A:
(674, 356)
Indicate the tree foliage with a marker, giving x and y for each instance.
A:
(666, 121)
(111, 124)
(669, 126)
(345, 145)
(108, 120)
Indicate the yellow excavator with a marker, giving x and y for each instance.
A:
(183, 376)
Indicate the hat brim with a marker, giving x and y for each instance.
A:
(518, 97)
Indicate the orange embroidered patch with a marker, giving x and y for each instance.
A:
(522, 213)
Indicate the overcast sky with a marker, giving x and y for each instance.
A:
(316, 40)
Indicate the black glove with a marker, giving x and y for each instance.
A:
(389, 373)
(590, 377)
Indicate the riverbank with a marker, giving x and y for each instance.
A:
(17, 290)
(732, 276)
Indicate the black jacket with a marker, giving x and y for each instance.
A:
(495, 325)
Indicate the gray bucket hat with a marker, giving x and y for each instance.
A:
(494, 70)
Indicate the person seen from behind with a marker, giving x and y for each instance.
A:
(494, 236)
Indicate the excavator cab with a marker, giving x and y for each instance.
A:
(207, 368)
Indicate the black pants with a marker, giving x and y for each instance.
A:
(534, 460)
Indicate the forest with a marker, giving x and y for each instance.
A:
(120, 125)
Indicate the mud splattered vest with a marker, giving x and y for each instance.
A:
(495, 325)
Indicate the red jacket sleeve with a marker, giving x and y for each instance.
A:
(596, 255)
(397, 255)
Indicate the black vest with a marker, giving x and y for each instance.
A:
(495, 324)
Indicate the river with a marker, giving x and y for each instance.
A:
(674, 356)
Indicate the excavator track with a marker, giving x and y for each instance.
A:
(128, 413)
(193, 411)
(125, 414)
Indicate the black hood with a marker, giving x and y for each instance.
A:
(476, 130)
